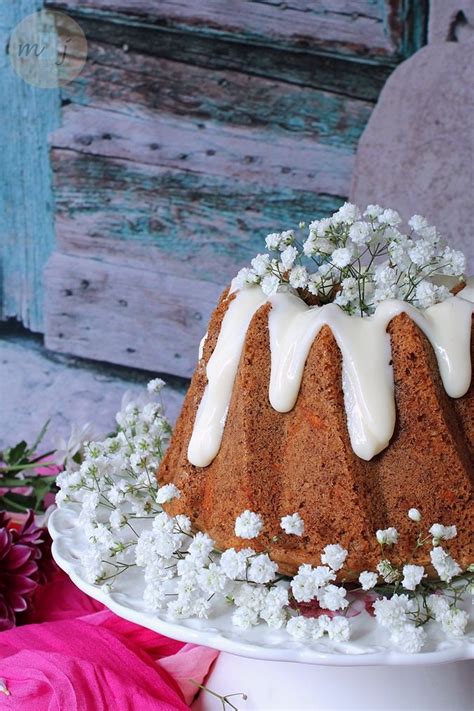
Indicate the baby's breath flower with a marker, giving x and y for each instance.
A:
(293, 524)
(301, 628)
(298, 277)
(408, 638)
(234, 563)
(389, 217)
(455, 261)
(334, 555)
(387, 571)
(261, 569)
(360, 233)
(273, 241)
(288, 257)
(445, 566)
(418, 223)
(341, 257)
(309, 580)
(387, 536)
(454, 622)
(156, 385)
(373, 211)
(260, 264)
(391, 612)
(414, 515)
(368, 580)
(339, 629)
(412, 576)
(244, 617)
(332, 597)
(248, 525)
(167, 493)
(442, 533)
(270, 284)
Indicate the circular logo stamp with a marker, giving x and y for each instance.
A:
(48, 49)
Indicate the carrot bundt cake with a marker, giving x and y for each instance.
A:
(347, 411)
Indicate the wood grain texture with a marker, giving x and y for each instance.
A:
(27, 114)
(333, 72)
(194, 130)
(183, 222)
(139, 85)
(383, 29)
(66, 391)
(271, 158)
(119, 314)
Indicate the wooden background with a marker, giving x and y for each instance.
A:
(194, 129)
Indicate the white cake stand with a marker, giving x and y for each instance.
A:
(277, 672)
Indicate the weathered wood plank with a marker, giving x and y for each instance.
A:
(139, 85)
(28, 114)
(332, 73)
(123, 315)
(352, 27)
(271, 158)
(178, 221)
(66, 391)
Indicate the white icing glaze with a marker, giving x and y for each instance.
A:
(202, 343)
(367, 378)
(221, 371)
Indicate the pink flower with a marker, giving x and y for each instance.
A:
(22, 555)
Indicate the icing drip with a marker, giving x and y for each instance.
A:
(367, 376)
(221, 371)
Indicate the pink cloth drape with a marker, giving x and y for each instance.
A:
(75, 655)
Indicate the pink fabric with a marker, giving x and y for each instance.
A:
(79, 656)
(189, 663)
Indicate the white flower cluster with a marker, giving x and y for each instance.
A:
(404, 614)
(358, 260)
(122, 516)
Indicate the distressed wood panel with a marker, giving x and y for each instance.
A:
(192, 223)
(272, 158)
(123, 315)
(139, 85)
(333, 73)
(194, 130)
(383, 29)
(28, 114)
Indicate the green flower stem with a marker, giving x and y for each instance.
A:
(21, 483)
(223, 699)
(23, 467)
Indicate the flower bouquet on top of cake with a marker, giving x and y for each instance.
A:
(324, 449)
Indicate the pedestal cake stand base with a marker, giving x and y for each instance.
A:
(274, 686)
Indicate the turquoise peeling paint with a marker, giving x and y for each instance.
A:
(27, 115)
(195, 216)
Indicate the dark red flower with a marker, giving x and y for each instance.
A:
(23, 553)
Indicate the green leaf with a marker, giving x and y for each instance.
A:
(15, 455)
(39, 438)
(16, 502)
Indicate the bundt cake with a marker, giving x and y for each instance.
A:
(347, 421)
(335, 383)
